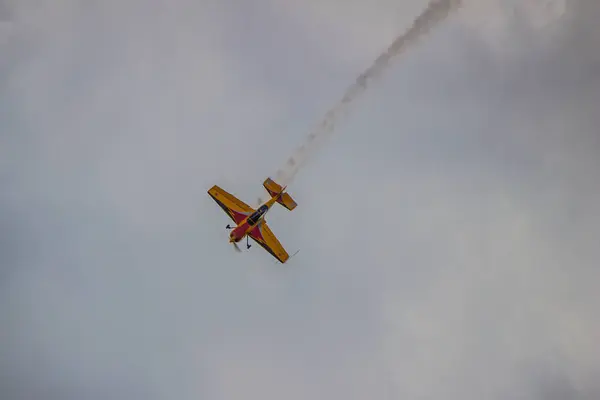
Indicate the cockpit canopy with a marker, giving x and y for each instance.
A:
(255, 217)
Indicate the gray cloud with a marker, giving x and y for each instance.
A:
(447, 235)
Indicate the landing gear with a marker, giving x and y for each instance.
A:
(228, 227)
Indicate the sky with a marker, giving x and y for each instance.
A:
(447, 232)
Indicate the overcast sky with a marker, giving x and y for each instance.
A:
(448, 232)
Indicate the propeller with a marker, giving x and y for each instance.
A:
(236, 247)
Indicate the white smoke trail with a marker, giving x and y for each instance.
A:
(435, 13)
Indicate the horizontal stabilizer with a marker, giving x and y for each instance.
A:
(275, 189)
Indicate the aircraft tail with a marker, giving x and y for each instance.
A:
(275, 189)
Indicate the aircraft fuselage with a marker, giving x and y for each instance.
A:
(250, 223)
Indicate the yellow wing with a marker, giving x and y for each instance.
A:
(234, 207)
(263, 235)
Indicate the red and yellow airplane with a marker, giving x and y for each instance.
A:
(250, 222)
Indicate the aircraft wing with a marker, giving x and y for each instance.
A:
(263, 235)
(234, 207)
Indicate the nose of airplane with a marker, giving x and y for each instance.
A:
(233, 237)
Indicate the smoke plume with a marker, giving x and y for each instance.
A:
(435, 13)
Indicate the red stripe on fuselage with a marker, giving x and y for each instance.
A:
(244, 229)
(239, 232)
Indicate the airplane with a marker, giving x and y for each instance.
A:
(250, 222)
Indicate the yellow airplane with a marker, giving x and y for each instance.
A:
(250, 222)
